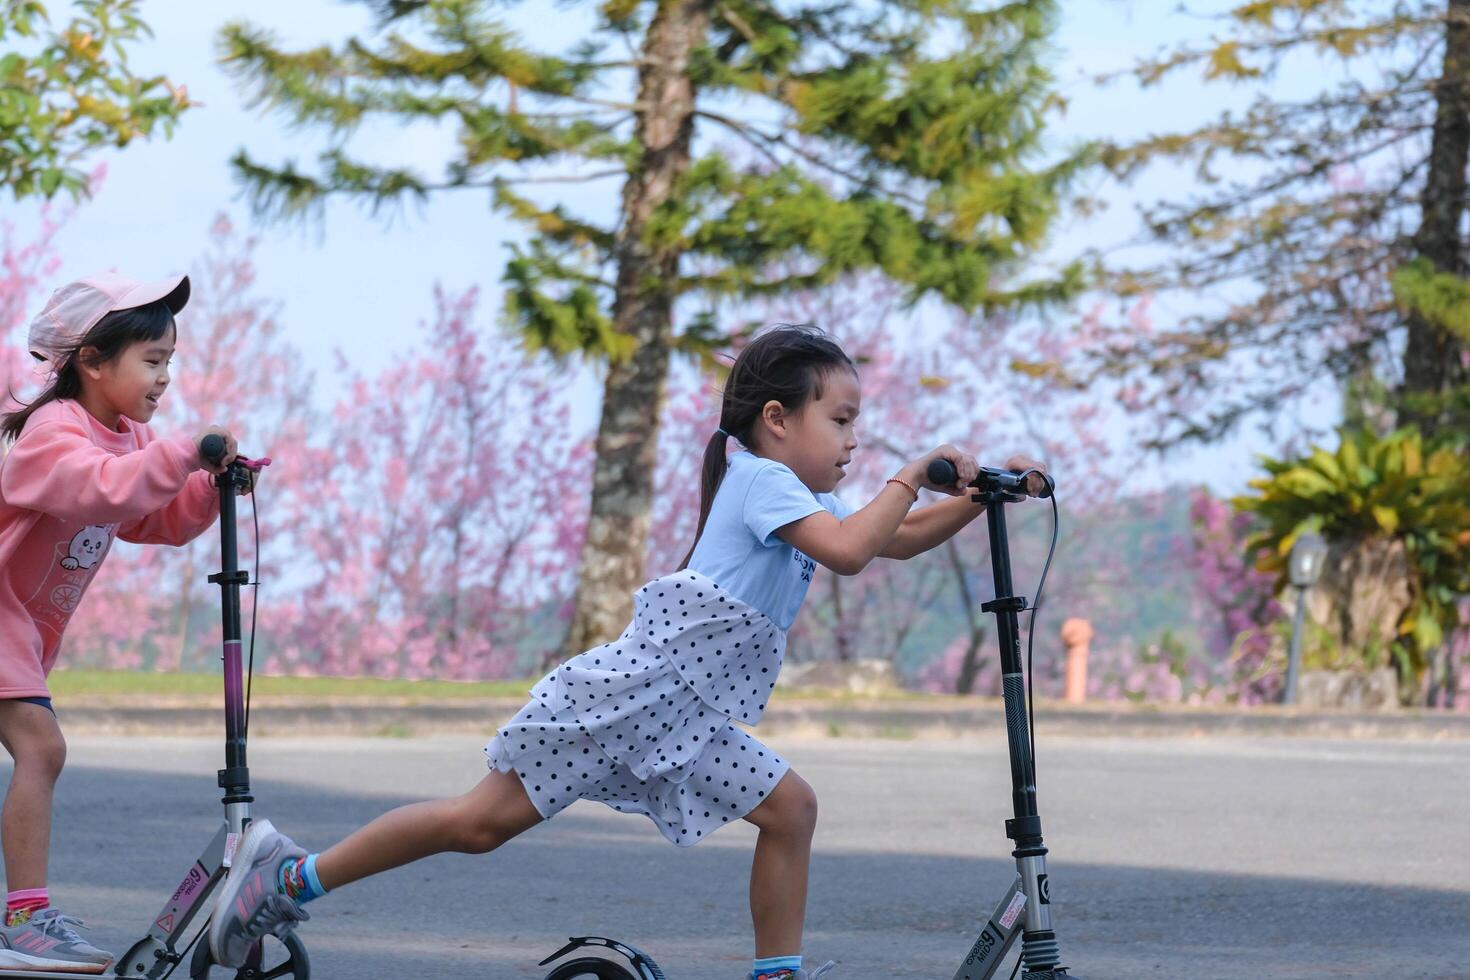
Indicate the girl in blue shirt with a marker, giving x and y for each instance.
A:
(648, 722)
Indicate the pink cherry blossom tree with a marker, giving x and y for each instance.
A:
(27, 271)
(446, 502)
(1236, 603)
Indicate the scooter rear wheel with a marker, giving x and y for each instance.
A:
(271, 959)
(592, 968)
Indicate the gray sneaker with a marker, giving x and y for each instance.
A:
(250, 904)
(49, 941)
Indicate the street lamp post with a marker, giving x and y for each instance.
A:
(1304, 567)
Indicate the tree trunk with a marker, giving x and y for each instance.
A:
(970, 667)
(1364, 592)
(974, 619)
(841, 635)
(472, 451)
(171, 657)
(1433, 357)
(627, 437)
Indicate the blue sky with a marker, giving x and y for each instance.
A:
(360, 284)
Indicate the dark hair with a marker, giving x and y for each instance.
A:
(786, 363)
(112, 335)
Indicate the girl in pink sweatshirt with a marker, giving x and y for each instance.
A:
(82, 469)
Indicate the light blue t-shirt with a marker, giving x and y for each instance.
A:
(740, 549)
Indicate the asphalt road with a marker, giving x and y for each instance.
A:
(1216, 858)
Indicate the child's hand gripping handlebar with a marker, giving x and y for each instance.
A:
(243, 470)
(942, 471)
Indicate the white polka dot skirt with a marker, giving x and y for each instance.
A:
(643, 724)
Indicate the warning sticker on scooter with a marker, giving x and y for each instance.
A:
(231, 842)
(1013, 911)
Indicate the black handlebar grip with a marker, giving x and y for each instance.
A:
(212, 447)
(942, 472)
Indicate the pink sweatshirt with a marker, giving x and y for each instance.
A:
(67, 487)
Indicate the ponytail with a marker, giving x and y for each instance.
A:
(66, 384)
(716, 462)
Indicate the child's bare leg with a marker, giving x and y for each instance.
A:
(481, 820)
(30, 734)
(778, 876)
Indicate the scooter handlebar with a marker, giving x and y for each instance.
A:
(942, 471)
(212, 447)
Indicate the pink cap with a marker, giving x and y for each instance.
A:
(74, 309)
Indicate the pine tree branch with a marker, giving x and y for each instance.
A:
(1267, 123)
(554, 225)
(1151, 72)
(562, 178)
(763, 141)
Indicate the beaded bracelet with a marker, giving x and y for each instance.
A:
(904, 483)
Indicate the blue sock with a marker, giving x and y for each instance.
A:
(298, 880)
(772, 967)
